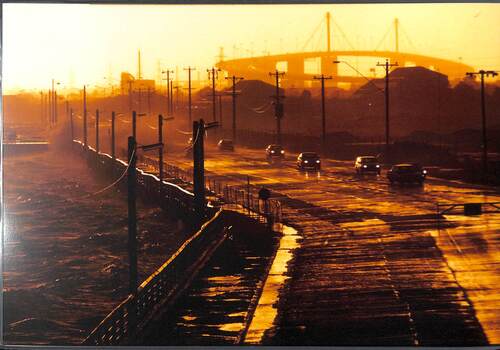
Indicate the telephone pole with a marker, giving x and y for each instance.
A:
(52, 114)
(41, 107)
(113, 155)
(97, 131)
(323, 116)
(213, 74)
(171, 89)
(278, 107)
(169, 95)
(387, 66)
(482, 73)
(189, 69)
(85, 116)
(199, 168)
(71, 125)
(235, 79)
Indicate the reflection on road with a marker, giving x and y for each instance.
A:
(387, 236)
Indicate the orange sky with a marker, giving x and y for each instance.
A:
(81, 44)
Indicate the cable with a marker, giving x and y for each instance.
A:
(312, 34)
(381, 41)
(151, 127)
(343, 34)
(107, 187)
(183, 132)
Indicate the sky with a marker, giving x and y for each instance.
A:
(78, 44)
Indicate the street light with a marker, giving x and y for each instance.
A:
(53, 97)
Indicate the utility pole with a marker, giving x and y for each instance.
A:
(134, 125)
(278, 107)
(49, 107)
(234, 79)
(189, 69)
(220, 109)
(169, 95)
(213, 74)
(199, 168)
(132, 227)
(130, 95)
(55, 107)
(85, 116)
(97, 131)
(52, 114)
(176, 87)
(160, 153)
(484, 157)
(71, 125)
(387, 66)
(149, 100)
(323, 115)
(67, 110)
(113, 155)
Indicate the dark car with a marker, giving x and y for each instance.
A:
(225, 145)
(275, 152)
(308, 160)
(366, 164)
(406, 173)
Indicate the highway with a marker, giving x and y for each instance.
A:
(374, 266)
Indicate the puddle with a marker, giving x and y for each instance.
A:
(266, 310)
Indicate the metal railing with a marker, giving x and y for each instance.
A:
(242, 194)
(467, 208)
(159, 288)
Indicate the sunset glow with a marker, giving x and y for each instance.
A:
(83, 44)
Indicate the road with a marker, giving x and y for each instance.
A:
(374, 267)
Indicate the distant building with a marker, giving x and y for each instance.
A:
(129, 83)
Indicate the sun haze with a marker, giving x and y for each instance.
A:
(84, 44)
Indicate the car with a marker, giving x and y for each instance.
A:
(275, 152)
(407, 173)
(367, 164)
(308, 160)
(225, 145)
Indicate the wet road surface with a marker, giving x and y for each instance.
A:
(215, 309)
(374, 267)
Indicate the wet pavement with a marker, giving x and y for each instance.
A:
(374, 267)
(216, 308)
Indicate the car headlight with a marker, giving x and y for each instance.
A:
(306, 161)
(365, 166)
(424, 172)
(378, 166)
(282, 152)
(318, 161)
(272, 151)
